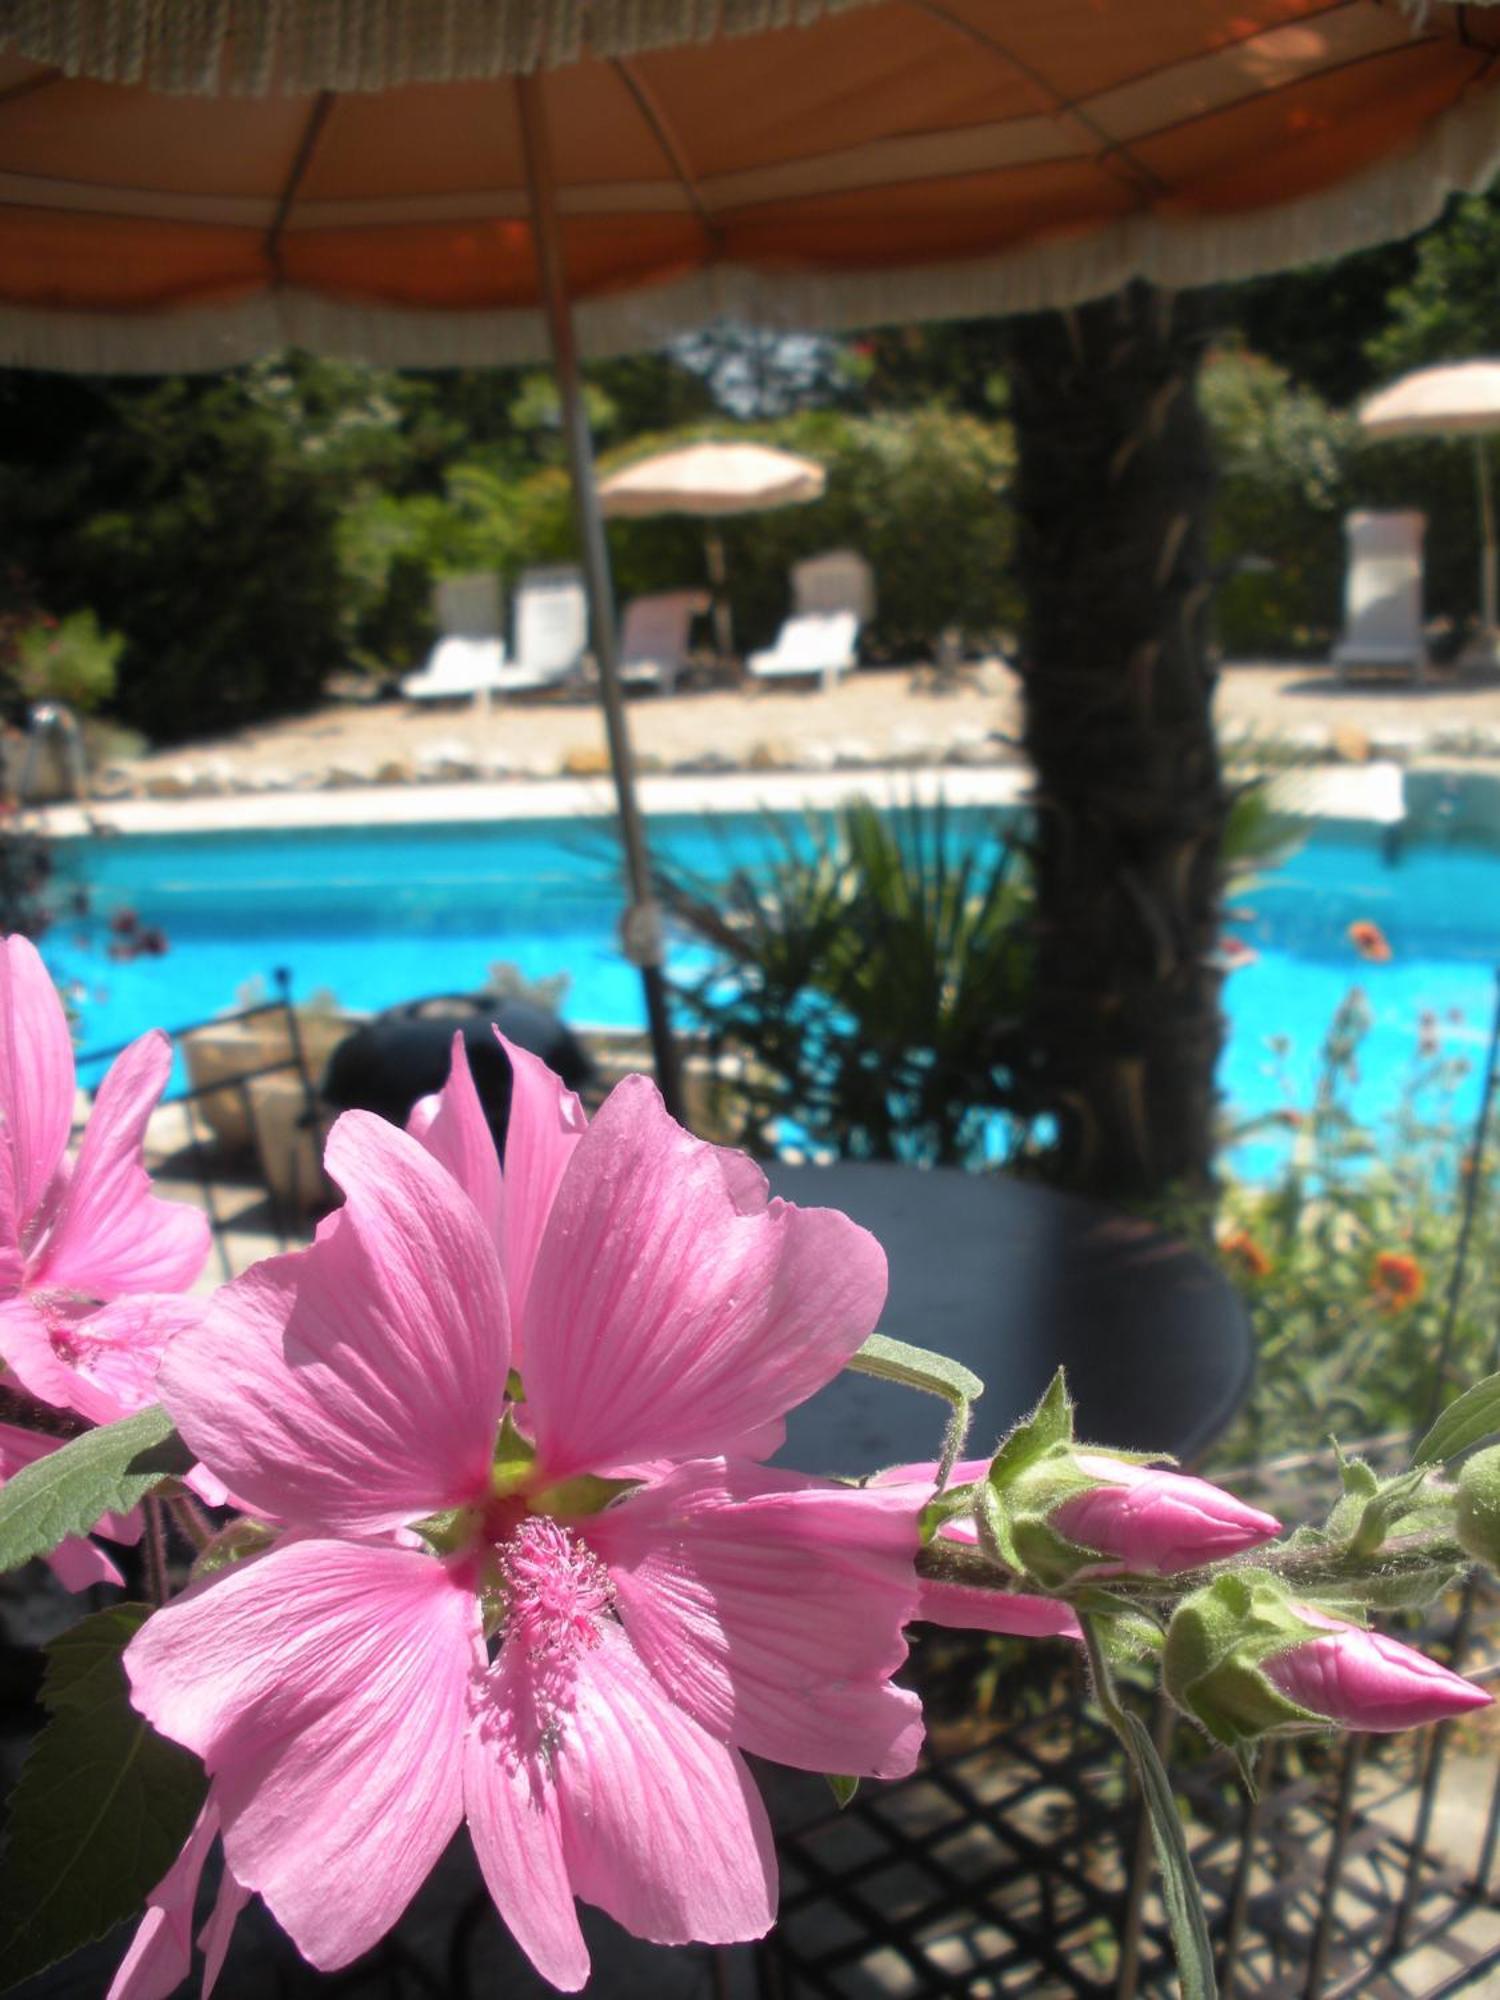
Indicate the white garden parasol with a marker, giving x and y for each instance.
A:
(711, 481)
(1458, 399)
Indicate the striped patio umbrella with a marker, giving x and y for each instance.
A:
(710, 481)
(490, 181)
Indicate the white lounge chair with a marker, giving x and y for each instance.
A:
(654, 637)
(821, 643)
(838, 580)
(1383, 594)
(466, 662)
(832, 596)
(552, 631)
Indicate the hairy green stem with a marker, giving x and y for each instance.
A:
(154, 1549)
(1308, 1568)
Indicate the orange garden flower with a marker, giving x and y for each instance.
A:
(1397, 1281)
(1370, 941)
(1241, 1250)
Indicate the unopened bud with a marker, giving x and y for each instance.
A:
(1085, 1511)
(1245, 1658)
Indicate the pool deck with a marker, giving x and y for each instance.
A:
(881, 731)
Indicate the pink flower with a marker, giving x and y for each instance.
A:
(1362, 1680)
(161, 1952)
(90, 1233)
(577, 1680)
(1156, 1522)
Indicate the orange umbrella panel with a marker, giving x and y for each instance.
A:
(351, 174)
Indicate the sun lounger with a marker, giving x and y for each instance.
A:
(832, 596)
(838, 580)
(1383, 594)
(821, 643)
(654, 637)
(467, 660)
(552, 631)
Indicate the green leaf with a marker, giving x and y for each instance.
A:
(1474, 1417)
(935, 1375)
(102, 1807)
(106, 1471)
(1050, 1423)
(916, 1368)
(1180, 1893)
(843, 1789)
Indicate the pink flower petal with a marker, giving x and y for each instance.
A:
(668, 1311)
(1008, 1611)
(359, 1384)
(1157, 1521)
(772, 1606)
(456, 1135)
(922, 1475)
(213, 1939)
(111, 1233)
(662, 1825)
(78, 1564)
(20, 1447)
(1363, 1680)
(545, 1126)
(36, 1078)
(161, 1952)
(109, 1358)
(27, 1350)
(326, 1688)
(512, 1808)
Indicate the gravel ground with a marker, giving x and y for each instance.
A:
(874, 716)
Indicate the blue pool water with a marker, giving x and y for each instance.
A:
(382, 915)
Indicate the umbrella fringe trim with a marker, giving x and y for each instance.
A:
(251, 47)
(1460, 153)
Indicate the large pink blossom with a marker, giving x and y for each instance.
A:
(84, 1244)
(577, 1680)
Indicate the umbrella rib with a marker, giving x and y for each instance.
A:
(669, 143)
(312, 131)
(1062, 105)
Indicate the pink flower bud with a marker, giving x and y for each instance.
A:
(1363, 1680)
(1154, 1521)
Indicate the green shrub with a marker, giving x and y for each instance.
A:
(1284, 488)
(71, 661)
(1346, 1257)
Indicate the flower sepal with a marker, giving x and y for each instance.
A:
(1217, 1643)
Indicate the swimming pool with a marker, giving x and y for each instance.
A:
(378, 915)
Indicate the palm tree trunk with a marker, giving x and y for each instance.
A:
(1114, 483)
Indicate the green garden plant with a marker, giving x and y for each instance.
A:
(1346, 1258)
(868, 983)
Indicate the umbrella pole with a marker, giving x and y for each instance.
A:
(718, 576)
(642, 927)
(1487, 554)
